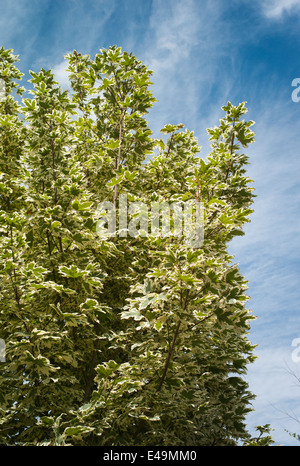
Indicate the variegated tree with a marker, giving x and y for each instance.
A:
(117, 340)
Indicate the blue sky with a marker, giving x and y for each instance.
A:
(204, 53)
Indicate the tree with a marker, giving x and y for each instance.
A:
(118, 339)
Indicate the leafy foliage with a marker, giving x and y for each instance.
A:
(117, 341)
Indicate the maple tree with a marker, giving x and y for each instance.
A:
(117, 340)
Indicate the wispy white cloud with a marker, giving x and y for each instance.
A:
(84, 25)
(61, 74)
(275, 9)
(184, 51)
(20, 24)
(271, 379)
(269, 258)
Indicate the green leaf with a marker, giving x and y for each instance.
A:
(81, 206)
(72, 271)
(115, 181)
(76, 431)
(226, 220)
(56, 224)
(147, 300)
(130, 176)
(90, 304)
(132, 313)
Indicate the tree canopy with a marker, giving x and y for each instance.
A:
(118, 339)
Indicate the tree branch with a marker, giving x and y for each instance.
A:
(169, 356)
(171, 349)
